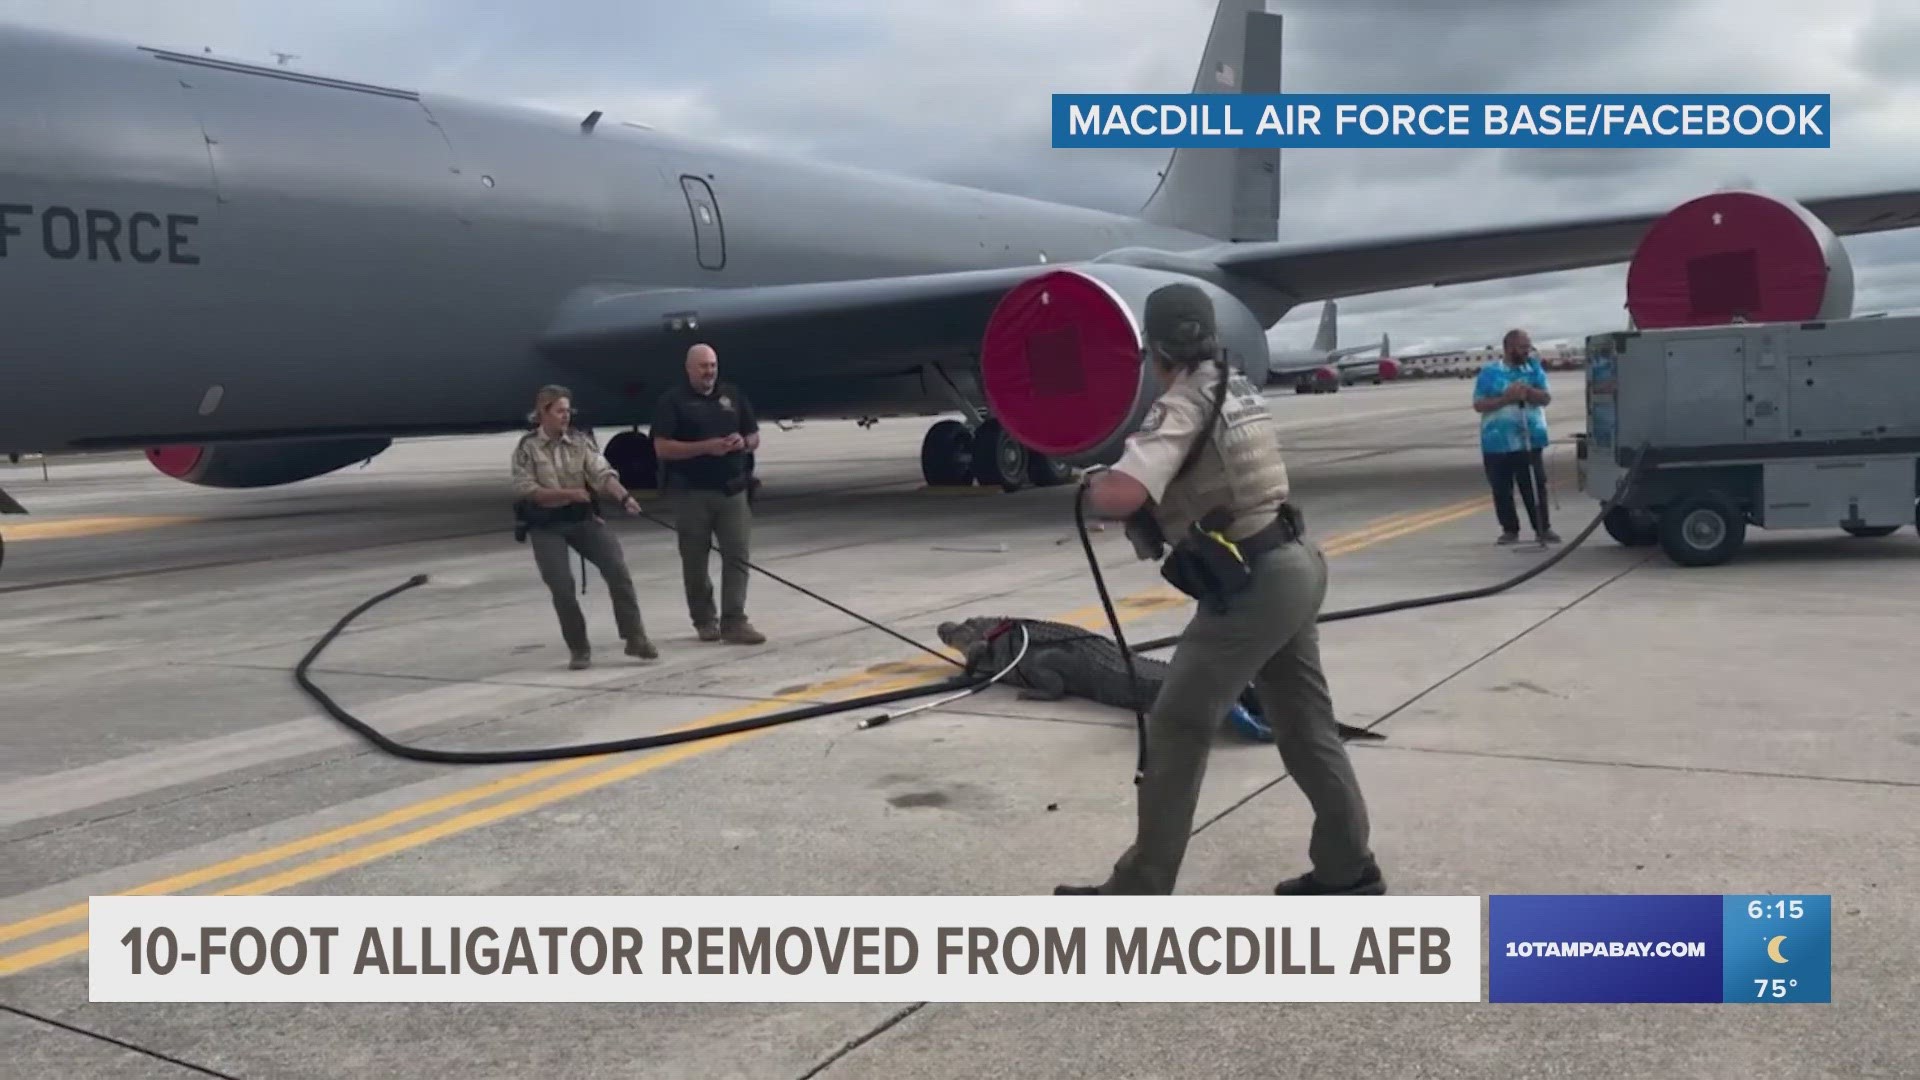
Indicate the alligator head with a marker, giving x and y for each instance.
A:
(967, 633)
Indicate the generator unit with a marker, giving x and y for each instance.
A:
(1777, 425)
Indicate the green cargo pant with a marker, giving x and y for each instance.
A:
(598, 545)
(1266, 636)
(701, 517)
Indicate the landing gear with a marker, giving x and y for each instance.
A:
(946, 455)
(999, 458)
(631, 455)
(952, 456)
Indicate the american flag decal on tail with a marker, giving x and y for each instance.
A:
(1223, 74)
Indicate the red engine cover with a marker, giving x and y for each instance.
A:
(1389, 369)
(1061, 362)
(1737, 254)
(176, 461)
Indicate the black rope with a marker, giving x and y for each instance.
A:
(122, 1043)
(1113, 620)
(803, 590)
(551, 753)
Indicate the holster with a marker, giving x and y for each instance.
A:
(529, 515)
(1212, 569)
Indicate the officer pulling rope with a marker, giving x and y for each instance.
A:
(1205, 470)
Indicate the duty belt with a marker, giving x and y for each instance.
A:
(1287, 527)
(1211, 568)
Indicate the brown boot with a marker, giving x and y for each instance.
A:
(741, 633)
(707, 632)
(642, 648)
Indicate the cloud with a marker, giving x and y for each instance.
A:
(961, 92)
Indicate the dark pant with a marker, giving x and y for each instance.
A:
(597, 544)
(1267, 637)
(701, 517)
(1528, 469)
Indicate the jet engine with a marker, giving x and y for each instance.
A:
(1063, 364)
(261, 464)
(1738, 256)
(1389, 369)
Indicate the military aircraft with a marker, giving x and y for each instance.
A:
(1323, 367)
(261, 275)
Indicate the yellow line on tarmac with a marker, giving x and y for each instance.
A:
(77, 943)
(70, 528)
(1138, 604)
(1341, 545)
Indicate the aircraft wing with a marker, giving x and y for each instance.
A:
(1333, 269)
(890, 324)
(862, 326)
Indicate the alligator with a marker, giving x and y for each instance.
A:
(1067, 661)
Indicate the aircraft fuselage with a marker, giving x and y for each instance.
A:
(194, 250)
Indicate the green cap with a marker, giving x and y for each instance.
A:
(1170, 305)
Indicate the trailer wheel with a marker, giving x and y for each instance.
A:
(1871, 530)
(1702, 530)
(1631, 528)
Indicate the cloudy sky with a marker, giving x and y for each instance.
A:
(960, 92)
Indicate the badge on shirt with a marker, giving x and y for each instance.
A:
(726, 402)
(1155, 416)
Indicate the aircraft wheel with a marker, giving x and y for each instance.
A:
(946, 455)
(1045, 471)
(631, 455)
(998, 458)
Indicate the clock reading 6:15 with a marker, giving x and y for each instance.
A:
(1775, 909)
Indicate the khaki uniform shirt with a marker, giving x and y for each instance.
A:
(566, 462)
(1240, 469)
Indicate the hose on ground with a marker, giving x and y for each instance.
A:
(961, 685)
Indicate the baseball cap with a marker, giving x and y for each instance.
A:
(1170, 305)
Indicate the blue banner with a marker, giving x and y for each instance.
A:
(1435, 120)
(1700, 949)
(1779, 948)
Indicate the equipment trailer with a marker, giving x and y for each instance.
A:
(1776, 425)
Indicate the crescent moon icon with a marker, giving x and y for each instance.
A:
(1773, 949)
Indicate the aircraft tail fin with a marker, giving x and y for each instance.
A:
(1228, 193)
(1385, 350)
(1327, 338)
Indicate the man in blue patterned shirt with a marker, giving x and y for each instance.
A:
(1511, 397)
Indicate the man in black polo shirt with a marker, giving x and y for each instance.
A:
(703, 432)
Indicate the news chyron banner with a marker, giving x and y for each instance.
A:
(1698, 949)
(784, 948)
(1437, 120)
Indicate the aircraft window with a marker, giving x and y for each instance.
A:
(487, 180)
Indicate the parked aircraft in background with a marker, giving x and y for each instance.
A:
(1324, 367)
(262, 275)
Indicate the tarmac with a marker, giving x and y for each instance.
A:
(1615, 725)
